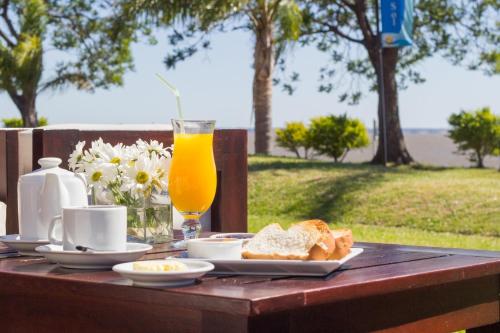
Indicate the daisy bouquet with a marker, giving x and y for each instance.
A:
(126, 175)
(135, 176)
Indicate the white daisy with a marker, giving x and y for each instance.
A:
(112, 154)
(162, 167)
(99, 173)
(139, 175)
(152, 147)
(75, 159)
(96, 148)
(130, 154)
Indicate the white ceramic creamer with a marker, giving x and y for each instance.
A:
(43, 193)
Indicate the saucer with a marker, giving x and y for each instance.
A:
(25, 246)
(196, 269)
(92, 259)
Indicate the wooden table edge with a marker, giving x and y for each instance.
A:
(444, 250)
(166, 297)
(389, 285)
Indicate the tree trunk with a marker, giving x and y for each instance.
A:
(262, 86)
(27, 107)
(480, 159)
(28, 113)
(344, 155)
(396, 147)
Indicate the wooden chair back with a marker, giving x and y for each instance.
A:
(229, 209)
(15, 160)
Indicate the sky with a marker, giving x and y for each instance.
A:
(217, 84)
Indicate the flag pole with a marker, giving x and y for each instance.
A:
(381, 84)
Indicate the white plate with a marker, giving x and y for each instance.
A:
(91, 259)
(196, 269)
(280, 267)
(25, 247)
(239, 235)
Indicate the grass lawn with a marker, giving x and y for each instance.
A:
(449, 207)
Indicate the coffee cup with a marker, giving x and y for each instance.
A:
(100, 228)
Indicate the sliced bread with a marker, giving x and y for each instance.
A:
(325, 246)
(272, 242)
(343, 243)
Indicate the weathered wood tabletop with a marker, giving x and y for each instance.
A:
(387, 288)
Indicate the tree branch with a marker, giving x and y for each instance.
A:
(335, 29)
(274, 10)
(347, 4)
(360, 12)
(7, 19)
(370, 31)
(252, 17)
(241, 27)
(6, 39)
(79, 79)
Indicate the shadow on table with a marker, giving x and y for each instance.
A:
(45, 267)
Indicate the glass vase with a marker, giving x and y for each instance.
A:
(149, 220)
(150, 224)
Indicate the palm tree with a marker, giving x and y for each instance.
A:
(21, 53)
(273, 24)
(97, 50)
(267, 17)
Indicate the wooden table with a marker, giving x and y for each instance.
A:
(387, 288)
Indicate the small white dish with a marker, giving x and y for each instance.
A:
(92, 259)
(215, 248)
(25, 246)
(196, 269)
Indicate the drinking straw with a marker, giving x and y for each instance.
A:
(177, 95)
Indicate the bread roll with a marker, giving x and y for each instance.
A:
(325, 246)
(343, 243)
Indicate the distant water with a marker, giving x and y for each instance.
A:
(426, 146)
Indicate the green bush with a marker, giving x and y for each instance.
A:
(294, 136)
(335, 136)
(476, 133)
(18, 122)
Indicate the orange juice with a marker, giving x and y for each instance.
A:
(192, 181)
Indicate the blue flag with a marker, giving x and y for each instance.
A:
(397, 23)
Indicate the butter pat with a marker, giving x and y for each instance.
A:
(166, 266)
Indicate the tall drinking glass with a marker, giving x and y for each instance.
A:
(193, 179)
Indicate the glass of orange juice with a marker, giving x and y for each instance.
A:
(192, 179)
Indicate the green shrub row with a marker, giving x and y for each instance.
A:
(18, 122)
(476, 133)
(332, 136)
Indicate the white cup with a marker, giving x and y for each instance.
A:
(101, 228)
